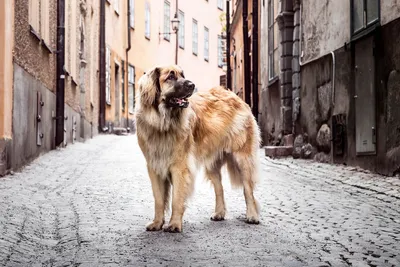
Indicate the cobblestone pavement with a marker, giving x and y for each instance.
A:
(87, 205)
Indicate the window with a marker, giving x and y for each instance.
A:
(220, 4)
(167, 20)
(116, 6)
(132, 13)
(39, 20)
(181, 32)
(147, 20)
(108, 75)
(272, 41)
(206, 44)
(131, 88)
(220, 52)
(195, 37)
(365, 13)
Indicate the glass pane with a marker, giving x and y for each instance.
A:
(358, 14)
(372, 10)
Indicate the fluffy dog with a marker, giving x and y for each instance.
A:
(179, 131)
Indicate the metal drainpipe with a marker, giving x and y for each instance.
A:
(127, 64)
(102, 68)
(176, 37)
(254, 56)
(60, 85)
(228, 49)
(246, 54)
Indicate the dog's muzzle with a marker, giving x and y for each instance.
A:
(180, 97)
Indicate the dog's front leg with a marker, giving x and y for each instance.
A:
(182, 183)
(161, 188)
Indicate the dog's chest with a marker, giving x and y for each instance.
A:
(159, 152)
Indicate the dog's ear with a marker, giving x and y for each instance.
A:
(149, 87)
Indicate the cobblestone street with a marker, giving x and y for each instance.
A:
(87, 205)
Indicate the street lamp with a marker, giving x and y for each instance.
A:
(175, 28)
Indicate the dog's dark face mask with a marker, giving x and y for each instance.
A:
(175, 89)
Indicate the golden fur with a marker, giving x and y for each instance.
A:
(216, 129)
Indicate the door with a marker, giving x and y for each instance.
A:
(365, 97)
(117, 96)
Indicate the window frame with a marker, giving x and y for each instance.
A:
(116, 6)
(220, 52)
(367, 27)
(195, 37)
(132, 14)
(147, 18)
(271, 40)
(131, 81)
(220, 4)
(206, 44)
(167, 21)
(181, 31)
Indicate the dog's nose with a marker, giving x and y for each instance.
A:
(189, 85)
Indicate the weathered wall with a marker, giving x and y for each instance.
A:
(24, 145)
(33, 57)
(390, 10)
(325, 27)
(237, 51)
(270, 119)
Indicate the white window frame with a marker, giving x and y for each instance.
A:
(131, 88)
(167, 20)
(220, 4)
(116, 6)
(220, 52)
(132, 13)
(181, 32)
(147, 15)
(195, 37)
(206, 44)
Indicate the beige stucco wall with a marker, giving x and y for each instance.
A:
(6, 67)
(390, 10)
(157, 51)
(325, 27)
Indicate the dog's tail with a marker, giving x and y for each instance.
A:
(241, 164)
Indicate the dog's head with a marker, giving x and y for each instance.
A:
(165, 85)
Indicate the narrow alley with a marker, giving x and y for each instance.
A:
(87, 205)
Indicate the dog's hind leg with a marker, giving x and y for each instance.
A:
(161, 189)
(214, 175)
(243, 166)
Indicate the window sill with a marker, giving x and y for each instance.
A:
(147, 37)
(46, 47)
(166, 39)
(182, 47)
(35, 34)
(116, 12)
(221, 9)
(273, 81)
(365, 32)
(206, 59)
(194, 54)
(108, 103)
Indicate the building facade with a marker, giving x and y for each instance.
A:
(337, 86)
(29, 49)
(197, 47)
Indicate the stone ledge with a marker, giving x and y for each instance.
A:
(278, 151)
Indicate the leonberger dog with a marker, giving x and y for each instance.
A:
(180, 131)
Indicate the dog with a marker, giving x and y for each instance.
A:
(179, 132)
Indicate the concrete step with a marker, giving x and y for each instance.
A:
(278, 151)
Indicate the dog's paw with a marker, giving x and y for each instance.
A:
(252, 220)
(154, 226)
(173, 228)
(218, 216)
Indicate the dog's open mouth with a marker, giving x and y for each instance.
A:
(180, 102)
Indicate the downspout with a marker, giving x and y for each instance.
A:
(312, 60)
(102, 68)
(254, 56)
(176, 37)
(127, 65)
(60, 72)
(228, 48)
(246, 54)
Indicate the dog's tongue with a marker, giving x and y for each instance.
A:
(180, 101)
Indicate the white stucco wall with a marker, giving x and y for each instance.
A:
(390, 10)
(325, 27)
